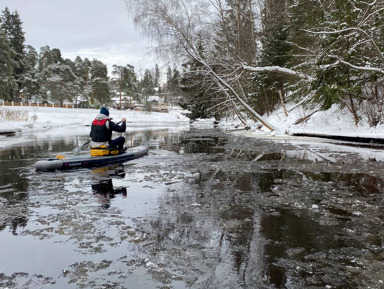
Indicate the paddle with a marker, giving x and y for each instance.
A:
(79, 148)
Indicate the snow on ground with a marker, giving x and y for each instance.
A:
(45, 122)
(335, 122)
(330, 122)
(48, 121)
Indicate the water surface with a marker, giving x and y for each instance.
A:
(203, 209)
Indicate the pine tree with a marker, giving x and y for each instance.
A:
(57, 77)
(86, 75)
(100, 90)
(30, 78)
(78, 83)
(60, 82)
(124, 80)
(131, 81)
(147, 85)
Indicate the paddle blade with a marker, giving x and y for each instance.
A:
(77, 150)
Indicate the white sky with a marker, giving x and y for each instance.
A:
(101, 29)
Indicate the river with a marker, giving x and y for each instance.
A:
(204, 209)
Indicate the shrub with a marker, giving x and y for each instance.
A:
(7, 114)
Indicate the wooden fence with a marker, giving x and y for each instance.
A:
(159, 107)
(36, 104)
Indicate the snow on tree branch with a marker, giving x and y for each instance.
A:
(359, 30)
(361, 68)
(278, 69)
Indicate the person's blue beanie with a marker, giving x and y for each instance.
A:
(104, 111)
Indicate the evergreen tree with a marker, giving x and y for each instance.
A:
(196, 91)
(30, 79)
(146, 85)
(124, 79)
(131, 81)
(173, 80)
(100, 90)
(83, 69)
(45, 57)
(176, 78)
(277, 51)
(7, 80)
(345, 37)
(59, 81)
(12, 27)
(77, 84)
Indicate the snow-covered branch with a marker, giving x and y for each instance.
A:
(356, 29)
(278, 69)
(361, 68)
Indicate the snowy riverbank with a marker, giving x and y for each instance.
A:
(35, 122)
(333, 122)
(46, 122)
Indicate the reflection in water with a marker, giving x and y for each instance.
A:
(230, 216)
(102, 185)
(252, 226)
(104, 192)
(285, 231)
(13, 188)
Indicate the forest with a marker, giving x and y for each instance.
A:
(241, 58)
(46, 77)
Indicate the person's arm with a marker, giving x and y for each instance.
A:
(118, 128)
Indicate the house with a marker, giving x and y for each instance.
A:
(126, 102)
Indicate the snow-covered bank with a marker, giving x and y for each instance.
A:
(47, 121)
(41, 117)
(333, 122)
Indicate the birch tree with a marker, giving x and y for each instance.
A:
(180, 27)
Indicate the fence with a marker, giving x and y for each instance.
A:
(160, 107)
(37, 104)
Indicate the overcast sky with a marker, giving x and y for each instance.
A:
(98, 29)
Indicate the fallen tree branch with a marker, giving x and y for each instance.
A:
(305, 118)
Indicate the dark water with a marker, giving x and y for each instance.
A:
(202, 210)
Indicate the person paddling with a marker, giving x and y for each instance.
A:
(101, 131)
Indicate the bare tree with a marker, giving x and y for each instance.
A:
(337, 47)
(181, 27)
